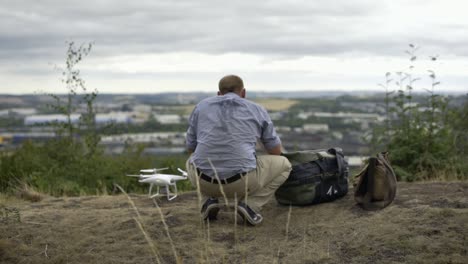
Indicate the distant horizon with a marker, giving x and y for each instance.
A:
(324, 91)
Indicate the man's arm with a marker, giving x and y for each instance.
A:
(269, 138)
(275, 151)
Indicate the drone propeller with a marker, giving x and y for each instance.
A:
(142, 175)
(153, 170)
(182, 171)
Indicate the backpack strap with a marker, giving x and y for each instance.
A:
(391, 179)
(338, 152)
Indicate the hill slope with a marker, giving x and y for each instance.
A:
(427, 223)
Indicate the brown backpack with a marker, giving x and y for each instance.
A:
(375, 186)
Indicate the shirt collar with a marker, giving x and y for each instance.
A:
(231, 95)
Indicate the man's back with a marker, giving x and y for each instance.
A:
(222, 135)
(224, 130)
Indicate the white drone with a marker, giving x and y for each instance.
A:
(152, 177)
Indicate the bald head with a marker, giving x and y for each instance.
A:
(231, 84)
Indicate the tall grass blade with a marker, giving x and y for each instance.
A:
(138, 220)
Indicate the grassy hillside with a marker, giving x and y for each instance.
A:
(427, 223)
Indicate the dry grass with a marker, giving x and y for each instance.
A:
(276, 104)
(5, 199)
(183, 109)
(427, 223)
(26, 192)
(7, 250)
(139, 221)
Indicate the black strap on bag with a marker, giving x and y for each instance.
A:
(338, 152)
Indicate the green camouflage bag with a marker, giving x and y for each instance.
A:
(317, 176)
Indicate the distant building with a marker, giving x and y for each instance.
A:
(17, 112)
(283, 128)
(315, 128)
(142, 108)
(412, 104)
(47, 119)
(337, 135)
(347, 115)
(304, 115)
(343, 115)
(298, 129)
(277, 115)
(114, 117)
(168, 119)
(18, 138)
(174, 137)
(369, 107)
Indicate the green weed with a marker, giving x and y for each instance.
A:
(427, 140)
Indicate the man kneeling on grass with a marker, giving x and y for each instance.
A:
(222, 135)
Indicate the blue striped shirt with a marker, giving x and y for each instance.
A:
(223, 131)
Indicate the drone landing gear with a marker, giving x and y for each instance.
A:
(167, 190)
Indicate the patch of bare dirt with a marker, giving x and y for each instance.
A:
(427, 223)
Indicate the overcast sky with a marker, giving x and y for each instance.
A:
(188, 45)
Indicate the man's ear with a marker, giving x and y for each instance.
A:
(243, 93)
(219, 93)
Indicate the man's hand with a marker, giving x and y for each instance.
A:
(275, 151)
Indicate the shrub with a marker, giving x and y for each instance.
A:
(424, 140)
(60, 167)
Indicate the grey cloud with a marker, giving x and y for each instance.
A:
(38, 29)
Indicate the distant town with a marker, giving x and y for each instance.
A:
(158, 122)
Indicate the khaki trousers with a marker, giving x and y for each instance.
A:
(256, 188)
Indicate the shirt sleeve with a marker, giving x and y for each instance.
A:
(191, 140)
(269, 137)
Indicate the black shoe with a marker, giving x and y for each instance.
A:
(210, 209)
(249, 214)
